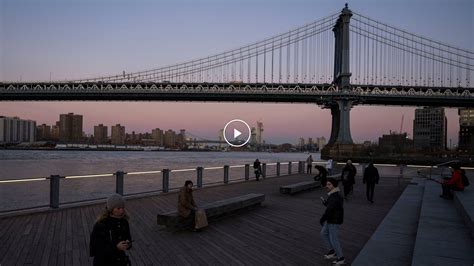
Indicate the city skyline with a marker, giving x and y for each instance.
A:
(71, 48)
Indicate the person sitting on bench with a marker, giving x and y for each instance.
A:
(454, 183)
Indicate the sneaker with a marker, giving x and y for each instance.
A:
(330, 255)
(339, 261)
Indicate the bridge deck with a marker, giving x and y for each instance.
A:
(285, 230)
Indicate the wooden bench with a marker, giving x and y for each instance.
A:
(298, 187)
(215, 209)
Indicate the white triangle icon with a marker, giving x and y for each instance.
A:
(237, 133)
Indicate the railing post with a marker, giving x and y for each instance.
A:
(119, 182)
(166, 180)
(300, 167)
(264, 170)
(226, 174)
(278, 168)
(54, 191)
(402, 169)
(247, 171)
(289, 168)
(199, 171)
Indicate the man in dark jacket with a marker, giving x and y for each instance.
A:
(371, 177)
(331, 219)
(348, 178)
(322, 176)
(258, 169)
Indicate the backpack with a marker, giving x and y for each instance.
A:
(464, 178)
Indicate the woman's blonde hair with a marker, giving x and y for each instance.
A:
(106, 213)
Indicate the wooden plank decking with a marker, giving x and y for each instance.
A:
(285, 230)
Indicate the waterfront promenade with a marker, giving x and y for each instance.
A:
(285, 230)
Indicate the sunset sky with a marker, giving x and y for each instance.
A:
(70, 39)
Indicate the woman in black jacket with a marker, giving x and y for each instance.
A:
(331, 219)
(111, 237)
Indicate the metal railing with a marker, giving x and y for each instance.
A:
(55, 181)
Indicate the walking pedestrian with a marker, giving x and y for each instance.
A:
(322, 176)
(110, 238)
(348, 178)
(329, 166)
(371, 177)
(332, 218)
(257, 169)
(309, 164)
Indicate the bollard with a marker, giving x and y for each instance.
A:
(166, 180)
(278, 168)
(54, 191)
(264, 170)
(199, 176)
(247, 170)
(289, 168)
(119, 182)
(226, 174)
(300, 167)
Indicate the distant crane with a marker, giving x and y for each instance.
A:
(401, 124)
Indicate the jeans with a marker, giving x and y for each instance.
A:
(308, 169)
(329, 233)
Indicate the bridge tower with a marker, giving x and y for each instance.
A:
(340, 142)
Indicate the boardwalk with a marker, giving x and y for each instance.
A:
(285, 230)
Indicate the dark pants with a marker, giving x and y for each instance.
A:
(448, 190)
(347, 187)
(370, 191)
(308, 169)
(258, 172)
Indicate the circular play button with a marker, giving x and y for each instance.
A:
(237, 133)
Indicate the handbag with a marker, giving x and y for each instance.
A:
(201, 219)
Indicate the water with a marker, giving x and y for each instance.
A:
(26, 164)
(20, 164)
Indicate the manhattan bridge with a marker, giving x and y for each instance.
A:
(337, 62)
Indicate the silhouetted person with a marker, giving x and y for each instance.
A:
(309, 164)
(322, 176)
(371, 177)
(186, 206)
(257, 169)
(348, 178)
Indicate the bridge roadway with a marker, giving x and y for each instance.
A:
(285, 230)
(322, 94)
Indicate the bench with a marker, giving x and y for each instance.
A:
(295, 188)
(464, 202)
(215, 209)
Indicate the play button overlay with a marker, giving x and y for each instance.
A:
(237, 133)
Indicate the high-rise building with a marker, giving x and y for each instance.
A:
(100, 134)
(118, 135)
(181, 138)
(430, 129)
(259, 133)
(43, 132)
(321, 142)
(170, 139)
(16, 130)
(55, 131)
(70, 127)
(466, 130)
(157, 135)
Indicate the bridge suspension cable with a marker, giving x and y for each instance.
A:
(383, 54)
(261, 62)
